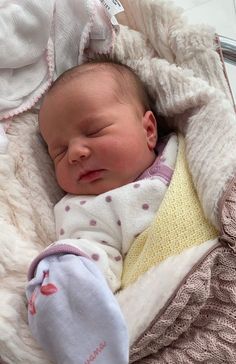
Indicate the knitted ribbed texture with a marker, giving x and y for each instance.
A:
(163, 20)
(198, 109)
(204, 161)
(228, 216)
(190, 52)
(189, 46)
(199, 325)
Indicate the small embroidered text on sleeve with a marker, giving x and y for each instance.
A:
(92, 358)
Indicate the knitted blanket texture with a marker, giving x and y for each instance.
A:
(181, 310)
(178, 225)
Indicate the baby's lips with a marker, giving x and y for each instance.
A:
(48, 289)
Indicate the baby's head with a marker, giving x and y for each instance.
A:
(100, 131)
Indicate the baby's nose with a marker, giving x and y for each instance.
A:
(77, 153)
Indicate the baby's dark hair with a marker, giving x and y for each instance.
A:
(126, 79)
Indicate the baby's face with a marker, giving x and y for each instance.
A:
(97, 142)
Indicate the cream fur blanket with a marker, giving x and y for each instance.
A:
(184, 73)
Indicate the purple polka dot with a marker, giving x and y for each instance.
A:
(82, 202)
(145, 206)
(118, 258)
(119, 222)
(136, 185)
(67, 208)
(95, 257)
(62, 232)
(108, 199)
(92, 222)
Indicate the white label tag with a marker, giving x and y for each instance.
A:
(114, 22)
(113, 7)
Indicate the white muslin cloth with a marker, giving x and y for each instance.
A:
(39, 40)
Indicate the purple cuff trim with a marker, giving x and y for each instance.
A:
(157, 169)
(53, 250)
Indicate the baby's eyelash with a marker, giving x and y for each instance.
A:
(97, 131)
(60, 152)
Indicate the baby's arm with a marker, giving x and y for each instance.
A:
(107, 258)
(103, 227)
(73, 313)
(69, 299)
(90, 225)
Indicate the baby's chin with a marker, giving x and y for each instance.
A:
(91, 191)
(97, 188)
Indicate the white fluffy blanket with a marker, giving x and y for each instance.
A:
(184, 73)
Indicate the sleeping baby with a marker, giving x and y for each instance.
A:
(102, 136)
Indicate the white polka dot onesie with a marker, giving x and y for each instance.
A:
(103, 227)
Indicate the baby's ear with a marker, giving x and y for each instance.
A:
(150, 126)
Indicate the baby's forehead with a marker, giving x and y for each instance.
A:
(122, 76)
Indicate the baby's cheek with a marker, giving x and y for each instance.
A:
(63, 178)
(117, 154)
(109, 143)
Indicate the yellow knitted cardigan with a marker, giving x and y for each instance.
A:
(178, 225)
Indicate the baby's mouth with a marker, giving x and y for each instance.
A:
(91, 176)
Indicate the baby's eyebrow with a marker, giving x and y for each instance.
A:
(98, 118)
(55, 144)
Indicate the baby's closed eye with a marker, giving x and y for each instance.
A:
(59, 152)
(97, 131)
